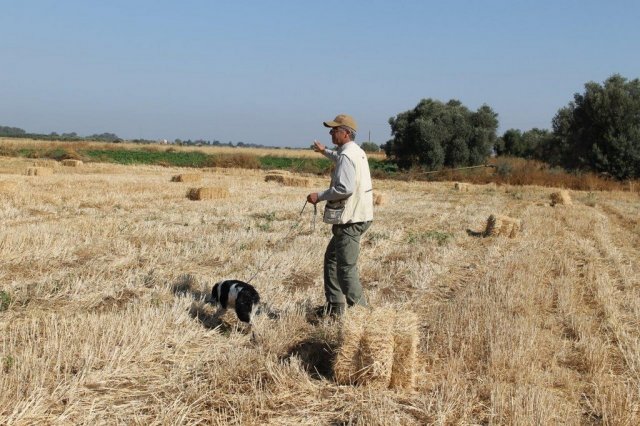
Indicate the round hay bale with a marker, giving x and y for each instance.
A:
(502, 225)
(561, 197)
(39, 171)
(187, 177)
(379, 199)
(207, 193)
(71, 163)
(405, 340)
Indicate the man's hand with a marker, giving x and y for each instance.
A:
(318, 147)
(313, 198)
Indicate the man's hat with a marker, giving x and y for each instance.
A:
(342, 120)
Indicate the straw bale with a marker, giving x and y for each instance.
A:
(347, 363)
(405, 350)
(288, 180)
(502, 225)
(39, 171)
(207, 193)
(561, 197)
(462, 187)
(379, 199)
(376, 349)
(71, 163)
(7, 186)
(187, 177)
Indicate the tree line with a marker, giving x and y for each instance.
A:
(16, 132)
(599, 131)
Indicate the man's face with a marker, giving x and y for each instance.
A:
(339, 136)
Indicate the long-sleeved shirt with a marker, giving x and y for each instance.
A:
(343, 178)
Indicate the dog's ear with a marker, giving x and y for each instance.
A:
(214, 292)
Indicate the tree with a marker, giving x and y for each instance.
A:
(370, 147)
(600, 129)
(434, 135)
(534, 143)
(11, 131)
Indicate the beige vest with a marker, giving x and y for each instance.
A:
(359, 206)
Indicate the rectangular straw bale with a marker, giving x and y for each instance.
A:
(561, 197)
(405, 340)
(39, 171)
(207, 193)
(7, 186)
(502, 225)
(347, 362)
(462, 187)
(187, 177)
(288, 180)
(71, 163)
(379, 199)
(376, 349)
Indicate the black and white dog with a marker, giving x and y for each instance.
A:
(241, 296)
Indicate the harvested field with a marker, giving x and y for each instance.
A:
(105, 270)
(38, 171)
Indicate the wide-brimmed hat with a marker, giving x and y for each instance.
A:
(342, 120)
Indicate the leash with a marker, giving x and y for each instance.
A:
(294, 226)
(315, 213)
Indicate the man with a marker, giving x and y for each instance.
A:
(349, 209)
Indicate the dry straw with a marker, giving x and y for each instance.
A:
(7, 186)
(462, 187)
(288, 180)
(187, 177)
(279, 172)
(502, 225)
(405, 339)
(39, 171)
(71, 163)
(45, 163)
(207, 193)
(378, 348)
(561, 197)
(347, 363)
(379, 199)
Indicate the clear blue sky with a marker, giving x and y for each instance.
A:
(270, 72)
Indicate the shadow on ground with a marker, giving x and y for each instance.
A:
(316, 356)
(187, 285)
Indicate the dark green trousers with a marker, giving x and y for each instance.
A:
(341, 279)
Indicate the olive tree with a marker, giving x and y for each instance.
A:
(434, 135)
(600, 129)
